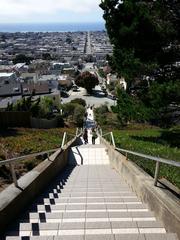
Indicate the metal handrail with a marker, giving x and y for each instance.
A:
(158, 160)
(111, 135)
(12, 161)
(70, 134)
(106, 134)
(112, 138)
(17, 159)
(64, 139)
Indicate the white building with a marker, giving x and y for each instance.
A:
(113, 78)
(21, 67)
(29, 77)
(6, 78)
(123, 83)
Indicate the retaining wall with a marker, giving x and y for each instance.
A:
(165, 206)
(14, 119)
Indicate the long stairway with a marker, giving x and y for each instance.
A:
(88, 201)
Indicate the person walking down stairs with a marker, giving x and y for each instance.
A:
(85, 136)
(94, 136)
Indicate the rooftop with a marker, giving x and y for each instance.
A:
(5, 74)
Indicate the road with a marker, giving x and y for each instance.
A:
(88, 44)
(97, 99)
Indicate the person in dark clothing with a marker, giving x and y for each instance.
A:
(94, 136)
(85, 115)
(85, 136)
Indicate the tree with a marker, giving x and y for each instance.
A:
(68, 40)
(68, 110)
(74, 112)
(46, 56)
(21, 58)
(169, 92)
(79, 112)
(46, 106)
(145, 35)
(41, 107)
(87, 80)
(129, 108)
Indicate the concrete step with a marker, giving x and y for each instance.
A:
(88, 216)
(68, 228)
(77, 215)
(88, 202)
(96, 236)
(88, 155)
(89, 205)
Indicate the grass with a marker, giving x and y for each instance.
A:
(155, 142)
(21, 141)
(24, 141)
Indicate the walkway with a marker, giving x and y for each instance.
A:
(88, 201)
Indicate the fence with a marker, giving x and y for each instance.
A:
(14, 119)
(24, 119)
(43, 123)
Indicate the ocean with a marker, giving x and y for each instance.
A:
(51, 27)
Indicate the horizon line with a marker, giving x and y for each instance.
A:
(52, 22)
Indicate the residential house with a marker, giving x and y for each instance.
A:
(7, 77)
(65, 81)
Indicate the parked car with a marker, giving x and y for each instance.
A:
(75, 88)
(112, 97)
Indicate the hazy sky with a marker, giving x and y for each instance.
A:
(50, 11)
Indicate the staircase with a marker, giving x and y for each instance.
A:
(88, 201)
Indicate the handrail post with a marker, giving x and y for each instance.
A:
(14, 178)
(63, 141)
(113, 142)
(77, 131)
(156, 173)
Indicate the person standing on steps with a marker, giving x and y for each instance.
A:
(85, 115)
(85, 136)
(94, 136)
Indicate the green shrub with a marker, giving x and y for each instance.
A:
(78, 117)
(60, 121)
(74, 112)
(68, 109)
(172, 136)
(79, 101)
(46, 105)
(102, 109)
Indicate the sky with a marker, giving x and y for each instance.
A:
(31, 11)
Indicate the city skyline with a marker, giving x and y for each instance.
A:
(50, 11)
